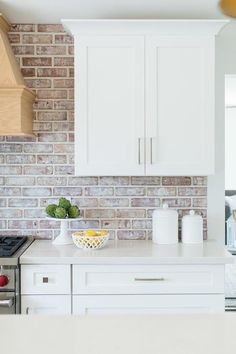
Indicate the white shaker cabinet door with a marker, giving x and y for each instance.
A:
(179, 105)
(46, 304)
(147, 304)
(109, 105)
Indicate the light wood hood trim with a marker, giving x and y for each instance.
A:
(16, 100)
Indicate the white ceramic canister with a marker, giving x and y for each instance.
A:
(165, 225)
(192, 228)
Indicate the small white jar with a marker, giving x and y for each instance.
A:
(165, 226)
(192, 228)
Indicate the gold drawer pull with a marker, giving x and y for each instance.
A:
(149, 279)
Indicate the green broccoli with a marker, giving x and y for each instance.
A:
(50, 210)
(60, 213)
(64, 203)
(73, 211)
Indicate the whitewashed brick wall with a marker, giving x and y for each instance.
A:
(37, 171)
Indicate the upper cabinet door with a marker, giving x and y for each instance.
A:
(109, 105)
(179, 105)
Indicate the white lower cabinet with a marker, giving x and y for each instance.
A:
(122, 289)
(146, 304)
(46, 304)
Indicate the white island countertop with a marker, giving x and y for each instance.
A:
(127, 252)
(162, 334)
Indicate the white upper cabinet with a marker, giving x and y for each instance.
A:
(179, 105)
(144, 96)
(109, 131)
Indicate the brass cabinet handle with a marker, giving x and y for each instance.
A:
(149, 279)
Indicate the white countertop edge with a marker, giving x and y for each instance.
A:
(127, 253)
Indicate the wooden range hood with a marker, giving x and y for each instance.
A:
(16, 100)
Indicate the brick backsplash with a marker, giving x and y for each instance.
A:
(37, 171)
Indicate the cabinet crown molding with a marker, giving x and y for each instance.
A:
(162, 27)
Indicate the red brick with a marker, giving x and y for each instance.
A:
(176, 181)
(64, 105)
(177, 202)
(52, 137)
(81, 181)
(42, 126)
(51, 94)
(63, 126)
(36, 61)
(23, 49)
(131, 234)
(145, 202)
(114, 180)
(145, 180)
(71, 50)
(51, 159)
(67, 191)
(28, 72)
(52, 116)
(51, 72)
(192, 191)
(131, 213)
(50, 50)
(116, 224)
(63, 83)
(63, 39)
(201, 181)
(14, 38)
(38, 83)
(22, 28)
(38, 170)
(63, 61)
(199, 202)
(161, 191)
(133, 191)
(71, 72)
(51, 28)
(100, 213)
(37, 39)
(43, 105)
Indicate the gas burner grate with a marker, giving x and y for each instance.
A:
(9, 245)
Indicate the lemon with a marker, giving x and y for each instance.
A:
(90, 233)
(103, 233)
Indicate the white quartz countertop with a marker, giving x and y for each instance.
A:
(127, 252)
(162, 334)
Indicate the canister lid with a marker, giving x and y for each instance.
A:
(165, 211)
(192, 216)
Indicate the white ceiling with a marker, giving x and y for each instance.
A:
(51, 11)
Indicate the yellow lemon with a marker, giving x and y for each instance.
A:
(103, 233)
(90, 233)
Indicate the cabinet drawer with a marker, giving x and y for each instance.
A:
(46, 304)
(45, 279)
(146, 304)
(145, 279)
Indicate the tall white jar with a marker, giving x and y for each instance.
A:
(192, 228)
(165, 225)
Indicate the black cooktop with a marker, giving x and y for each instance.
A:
(10, 244)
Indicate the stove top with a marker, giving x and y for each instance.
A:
(10, 244)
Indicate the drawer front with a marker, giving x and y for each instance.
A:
(46, 304)
(45, 279)
(146, 304)
(176, 279)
